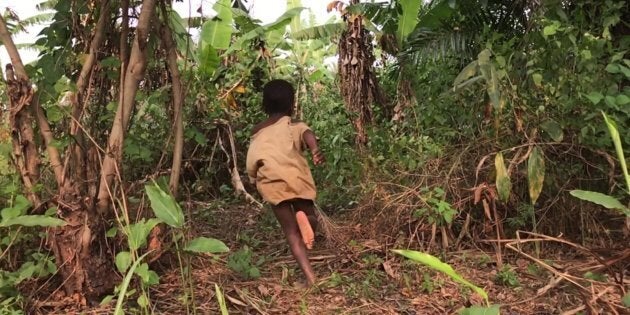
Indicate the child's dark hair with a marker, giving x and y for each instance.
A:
(278, 97)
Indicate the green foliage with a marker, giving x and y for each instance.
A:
(435, 263)
(217, 32)
(137, 232)
(600, 198)
(507, 277)
(125, 284)
(480, 310)
(438, 210)
(164, 206)
(320, 31)
(206, 245)
(614, 135)
(407, 19)
(242, 262)
(604, 200)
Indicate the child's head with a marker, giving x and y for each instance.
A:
(278, 97)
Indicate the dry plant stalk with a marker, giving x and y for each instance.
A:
(332, 231)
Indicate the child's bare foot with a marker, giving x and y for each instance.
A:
(308, 236)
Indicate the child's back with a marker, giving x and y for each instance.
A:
(275, 159)
(276, 163)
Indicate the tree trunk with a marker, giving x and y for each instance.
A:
(359, 87)
(82, 270)
(133, 74)
(77, 150)
(178, 100)
(20, 94)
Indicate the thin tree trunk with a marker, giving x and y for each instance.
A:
(47, 135)
(124, 33)
(77, 149)
(178, 100)
(133, 75)
(20, 95)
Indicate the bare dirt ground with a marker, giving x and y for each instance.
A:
(364, 277)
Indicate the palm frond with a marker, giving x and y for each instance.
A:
(29, 47)
(320, 32)
(429, 45)
(380, 13)
(46, 5)
(37, 19)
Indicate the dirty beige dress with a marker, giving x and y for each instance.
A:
(276, 162)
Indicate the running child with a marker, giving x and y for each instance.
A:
(276, 164)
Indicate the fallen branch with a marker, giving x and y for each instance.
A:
(237, 183)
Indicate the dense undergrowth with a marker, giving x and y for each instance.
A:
(500, 121)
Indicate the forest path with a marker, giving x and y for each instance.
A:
(259, 276)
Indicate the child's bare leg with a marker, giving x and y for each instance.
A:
(285, 215)
(309, 208)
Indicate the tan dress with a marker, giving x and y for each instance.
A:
(276, 162)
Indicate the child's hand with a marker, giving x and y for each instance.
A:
(318, 157)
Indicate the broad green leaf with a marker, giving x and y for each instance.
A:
(493, 90)
(139, 231)
(481, 310)
(551, 29)
(147, 275)
(535, 173)
(33, 220)
(218, 31)
(537, 77)
(284, 20)
(20, 205)
(435, 263)
(503, 182)
(595, 97)
(553, 129)
(611, 101)
(407, 19)
(626, 300)
(123, 261)
(206, 245)
(598, 198)
(221, 300)
(316, 75)
(625, 70)
(622, 99)
(143, 301)
(468, 72)
(54, 114)
(612, 68)
(164, 206)
(209, 59)
(433, 16)
(296, 21)
(614, 135)
(111, 232)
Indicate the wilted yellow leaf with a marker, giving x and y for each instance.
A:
(504, 185)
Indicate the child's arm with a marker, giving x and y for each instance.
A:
(311, 141)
